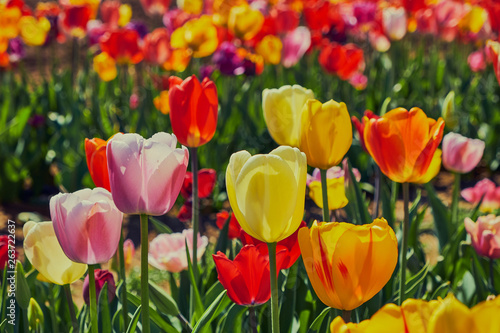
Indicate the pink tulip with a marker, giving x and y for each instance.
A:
(358, 81)
(101, 277)
(394, 22)
(448, 14)
(87, 225)
(168, 251)
(332, 173)
(146, 175)
(485, 235)
(154, 7)
(476, 61)
(487, 189)
(295, 45)
(461, 154)
(110, 13)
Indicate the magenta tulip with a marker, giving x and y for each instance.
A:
(168, 251)
(461, 154)
(485, 235)
(87, 225)
(295, 45)
(101, 277)
(146, 175)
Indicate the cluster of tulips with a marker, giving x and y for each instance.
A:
(347, 264)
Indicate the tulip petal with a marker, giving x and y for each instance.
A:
(451, 317)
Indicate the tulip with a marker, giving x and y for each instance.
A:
(7, 253)
(161, 102)
(193, 110)
(74, 19)
(348, 264)
(168, 251)
(379, 41)
(461, 154)
(245, 22)
(493, 49)
(285, 18)
(227, 60)
(110, 13)
(43, 250)
(325, 134)
(342, 60)
(360, 126)
(270, 49)
(105, 67)
(485, 235)
(266, 192)
(288, 247)
(400, 156)
(129, 252)
(155, 7)
(394, 22)
(9, 22)
(87, 225)
(358, 81)
(476, 61)
(222, 8)
(334, 172)
(206, 178)
(134, 101)
(336, 193)
(191, 6)
(474, 19)
(102, 276)
(281, 108)
(122, 45)
(199, 35)
(486, 191)
(145, 174)
(448, 111)
(295, 45)
(95, 152)
(178, 60)
(34, 31)
(125, 15)
(156, 46)
(234, 228)
(35, 315)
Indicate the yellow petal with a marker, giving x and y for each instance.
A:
(450, 317)
(336, 193)
(486, 317)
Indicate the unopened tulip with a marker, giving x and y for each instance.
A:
(336, 193)
(168, 251)
(403, 157)
(282, 108)
(35, 315)
(145, 174)
(461, 154)
(394, 22)
(484, 190)
(102, 276)
(87, 225)
(198, 34)
(295, 45)
(193, 110)
(448, 111)
(156, 46)
(485, 235)
(43, 250)
(326, 133)
(34, 31)
(267, 192)
(95, 152)
(348, 264)
(270, 49)
(245, 22)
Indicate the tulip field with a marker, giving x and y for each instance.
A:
(250, 166)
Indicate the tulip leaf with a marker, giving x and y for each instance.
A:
(316, 324)
(384, 107)
(23, 293)
(163, 301)
(208, 316)
(199, 309)
(2, 325)
(153, 315)
(441, 291)
(413, 283)
(475, 212)
(117, 322)
(103, 309)
(442, 218)
(356, 197)
(160, 226)
(231, 320)
(135, 319)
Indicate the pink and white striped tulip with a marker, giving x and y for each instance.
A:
(87, 225)
(146, 175)
(461, 154)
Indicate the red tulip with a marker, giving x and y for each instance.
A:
(101, 277)
(4, 251)
(122, 45)
(95, 151)
(290, 245)
(74, 19)
(234, 229)
(193, 110)
(206, 182)
(156, 47)
(247, 277)
(285, 18)
(360, 126)
(110, 12)
(342, 60)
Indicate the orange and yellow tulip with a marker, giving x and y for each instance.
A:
(105, 66)
(245, 22)
(199, 35)
(403, 144)
(9, 18)
(270, 49)
(34, 31)
(348, 264)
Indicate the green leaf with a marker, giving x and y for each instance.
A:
(441, 291)
(357, 199)
(198, 305)
(135, 319)
(160, 226)
(208, 316)
(163, 301)
(104, 309)
(2, 325)
(23, 293)
(153, 315)
(442, 218)
(413, 283)
(316, 324)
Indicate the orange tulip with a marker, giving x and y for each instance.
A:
(9, 18)
(95, 151)
(178, 60)
(156, 46)
(403, 143)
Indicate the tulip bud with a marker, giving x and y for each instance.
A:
(35, 315)
(101, 277)
(448, 111)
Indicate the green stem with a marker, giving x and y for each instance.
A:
(71, 307)
(253, 319)
(123, 277)
(144, 274)
(93, 300)
(193, 152)
(454, 200)
(53, 305)
(492, 275)
(274, 288)
(378, 186)
(324, 193)
(74, 60)
(404, 247)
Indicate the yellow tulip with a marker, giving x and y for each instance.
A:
(221, 9)
(282, 108)
(336, 193)
(161, 102)
(245, 22)
(270, 49)
(267, 192)
(105, 66)
(199, 35)
(486, 317)
(451, 317)
(125, 12)
(9, 19)
(33, 31)
(42, 249)
(475, 19)
(325, 134)
(191, 6)
(348, 264)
